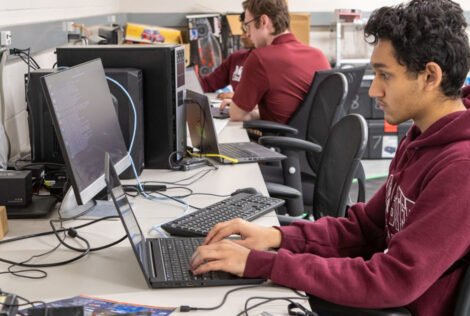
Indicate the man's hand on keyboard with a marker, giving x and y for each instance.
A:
(225, 95)
(252, 236)
(224, 255)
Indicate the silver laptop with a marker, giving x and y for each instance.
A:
(164, 261)
(193, 83)
(204, 137)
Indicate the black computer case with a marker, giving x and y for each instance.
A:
(43, 139)
(44, 144)
(164, 83)
(131, 80)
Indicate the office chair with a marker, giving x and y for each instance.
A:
(340, 158)
(323, 105)
(322, 307)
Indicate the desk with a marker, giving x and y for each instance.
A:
(114, 274)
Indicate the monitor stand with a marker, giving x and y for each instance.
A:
(92, 210)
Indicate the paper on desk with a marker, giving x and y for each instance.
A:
(93, 304)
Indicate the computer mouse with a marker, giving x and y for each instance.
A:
(249, 190)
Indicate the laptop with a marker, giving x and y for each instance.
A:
(193, 83)
(164, 261)
(204, 137)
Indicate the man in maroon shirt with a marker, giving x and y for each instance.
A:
(404, 247)
(230, 71)
(278, 73)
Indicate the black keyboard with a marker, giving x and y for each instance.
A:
(176, 254)
(242, 205)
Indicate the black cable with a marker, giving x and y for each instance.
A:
(53, 264)
(24, 304)
(60, 230)
(72, 233)
(211, 194)
(186, 308)
(178, 182)
(271, 299)
(176, 200)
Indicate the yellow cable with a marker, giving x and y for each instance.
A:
(213, 155)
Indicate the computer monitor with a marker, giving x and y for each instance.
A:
(87, 127)
(163, 73)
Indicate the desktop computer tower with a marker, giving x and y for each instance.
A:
(44, 144)
(131, 80)
(163, 83)
(43, 140)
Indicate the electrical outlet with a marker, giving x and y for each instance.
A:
(68, 27)
(5, 38)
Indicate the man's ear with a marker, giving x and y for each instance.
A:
(432, 76)
(263, 20)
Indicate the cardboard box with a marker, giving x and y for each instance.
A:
(234, 24)
(3, 222)
(141, 33)
(300, 26)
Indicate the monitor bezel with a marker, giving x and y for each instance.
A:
(90, 191)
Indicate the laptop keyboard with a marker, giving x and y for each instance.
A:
(234, 152)
(243, 205)
(176, 254)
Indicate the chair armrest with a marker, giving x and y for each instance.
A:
(289, 143)
(285, 220)
(282, 191)
(270, 127)
(323, 307)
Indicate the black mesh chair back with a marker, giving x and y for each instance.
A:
(341, 156)
(462, 308)
(300, 118)
(324, 112)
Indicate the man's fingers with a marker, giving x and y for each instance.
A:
(209, 266)
(225, 102)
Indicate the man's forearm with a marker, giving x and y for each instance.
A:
(237, 114)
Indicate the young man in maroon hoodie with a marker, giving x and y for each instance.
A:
(397, 249)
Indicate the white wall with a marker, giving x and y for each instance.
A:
(152, 6)
(139, 6)
(364, 5)
(33, 11)
(28, 11)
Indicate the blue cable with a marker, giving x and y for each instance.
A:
(149, 197)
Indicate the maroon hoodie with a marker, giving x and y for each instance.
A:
(393, 250)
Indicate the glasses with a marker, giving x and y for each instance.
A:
(245, 26)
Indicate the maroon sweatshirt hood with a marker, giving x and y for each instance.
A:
(451, 128)
(466, 96)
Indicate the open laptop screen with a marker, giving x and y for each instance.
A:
(134, 233)
(192, 81)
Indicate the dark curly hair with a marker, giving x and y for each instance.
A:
(423, 31)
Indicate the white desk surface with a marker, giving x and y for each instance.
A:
(113, 273)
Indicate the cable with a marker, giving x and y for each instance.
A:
(23, 304)
(213, 155)
(211, 194)
(186, 308)
(82, 27)
(305, 312)
(72, 233)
